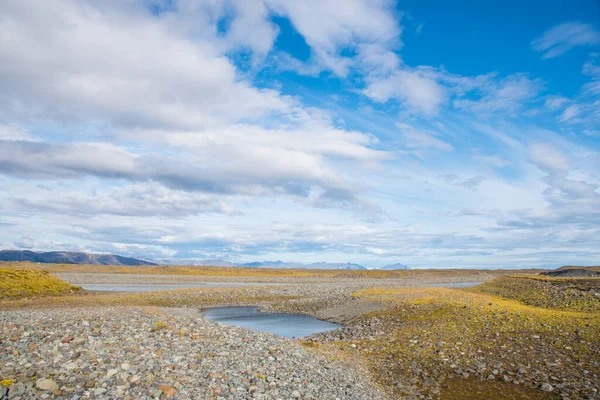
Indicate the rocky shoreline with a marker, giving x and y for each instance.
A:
(151, 353)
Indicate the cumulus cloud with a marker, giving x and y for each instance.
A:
(562, 38)
(77, 60)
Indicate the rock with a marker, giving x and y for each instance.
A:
(99, 391)
(46, 384)
(167, 390)
(546, 387)
(111, 372)
(68, 339)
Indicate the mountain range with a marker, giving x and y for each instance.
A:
(317, 265)
(69, 257)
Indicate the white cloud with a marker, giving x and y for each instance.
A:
(414, 91)
(339, 25)
(548, 157)
(162, 81)
(569, 113)
(562, 38)
(508, 95)
(75, 60)
(139, 199)
(556, 102)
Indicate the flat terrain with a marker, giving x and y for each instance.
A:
(514, 337)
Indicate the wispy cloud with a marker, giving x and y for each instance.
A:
(562, 38)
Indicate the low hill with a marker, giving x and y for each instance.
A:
(572, 273)
(16, 282)
(69, 257)
(570, 294)
(590, 268)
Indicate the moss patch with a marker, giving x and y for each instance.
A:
(15, 283)
(574, 294)
(452, 344)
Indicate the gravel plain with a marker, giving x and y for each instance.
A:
(99, 346)
(152, 353)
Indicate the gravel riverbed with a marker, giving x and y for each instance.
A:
(151, 353)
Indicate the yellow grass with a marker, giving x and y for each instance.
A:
(16, 283)
(166, 298)
(264, 272)
(440, 329)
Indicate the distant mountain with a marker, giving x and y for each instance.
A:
(269, 264)
(215, 263)
(69, 257)
(394, 267)
(290, 265)
(325, 265)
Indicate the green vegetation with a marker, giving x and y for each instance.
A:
(574, 294)
(16, 283)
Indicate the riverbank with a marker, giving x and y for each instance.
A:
(478, 343)
(133, 353)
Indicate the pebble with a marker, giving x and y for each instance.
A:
(46, 384)
(546, 387)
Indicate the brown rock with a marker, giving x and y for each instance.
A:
(167, 390)
(68, 339)
(215, 375)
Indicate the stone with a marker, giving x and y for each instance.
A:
(99, 391)
(46, 384)
(167, 390)
(111, 372)
(68, 339)
(546, 387)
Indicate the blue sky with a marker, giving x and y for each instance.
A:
(434, 134)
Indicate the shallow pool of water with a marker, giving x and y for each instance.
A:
(132, 287)
(287, 325)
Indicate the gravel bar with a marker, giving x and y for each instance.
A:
(150, 353)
